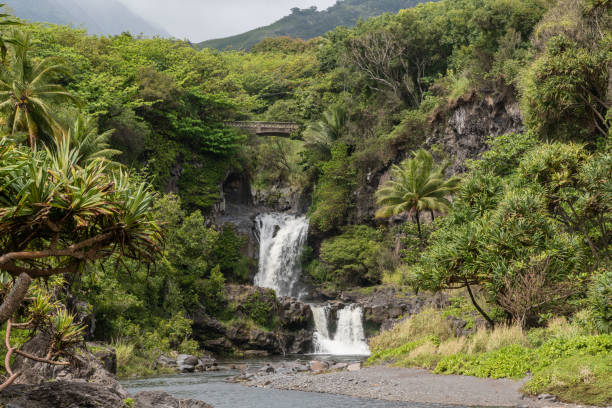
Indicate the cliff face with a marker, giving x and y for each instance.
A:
(458, 132)
(462, 129)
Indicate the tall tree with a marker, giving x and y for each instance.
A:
(28, 89)
(416, 185)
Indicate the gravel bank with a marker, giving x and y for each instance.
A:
(405, 384)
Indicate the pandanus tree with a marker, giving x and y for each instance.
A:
(416, 185)
(321, 134)
(56, 216)
(27, 91)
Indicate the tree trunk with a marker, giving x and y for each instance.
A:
(418, 220)
(15, 297)
(482, 312)
(433, 218)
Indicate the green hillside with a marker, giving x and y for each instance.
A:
(310, 23)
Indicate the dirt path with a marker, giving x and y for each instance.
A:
(406, 384)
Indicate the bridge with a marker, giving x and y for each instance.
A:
(283, 129)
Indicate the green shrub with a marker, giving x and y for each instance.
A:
(600, 301)
(332, 196)
(576, 379)
(358, 256)
(258, 308)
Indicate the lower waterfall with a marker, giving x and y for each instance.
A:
(349, 338)
(281, 242)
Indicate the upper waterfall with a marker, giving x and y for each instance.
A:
(281, 241)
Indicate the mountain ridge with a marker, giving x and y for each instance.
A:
(310, 23)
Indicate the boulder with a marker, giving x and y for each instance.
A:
(62, 394)
(295, 315)
(166, 361)
(186, 359)
(354, 367)
(160, 399)
(84, 366)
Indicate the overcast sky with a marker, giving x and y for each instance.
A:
(199, 20)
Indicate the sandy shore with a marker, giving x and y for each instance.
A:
(409, 385)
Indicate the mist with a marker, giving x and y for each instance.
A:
(199, 20)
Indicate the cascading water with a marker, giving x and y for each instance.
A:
(349, 338)
(281, 242)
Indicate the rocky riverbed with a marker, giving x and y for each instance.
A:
(404, 384)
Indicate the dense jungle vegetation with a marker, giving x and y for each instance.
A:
(114, 149)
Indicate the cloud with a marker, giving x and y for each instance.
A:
(199, 20)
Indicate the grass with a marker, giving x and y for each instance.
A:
(563, 358)
(131, 363)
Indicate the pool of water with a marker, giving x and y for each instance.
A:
(212, 388)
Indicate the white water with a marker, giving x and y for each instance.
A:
(349, 338)
(281, 241)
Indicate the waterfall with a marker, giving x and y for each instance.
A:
(349, 338)
(281, 241)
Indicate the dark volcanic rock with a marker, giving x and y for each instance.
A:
(84, 366)
(294, 314)
(383, 306)
(160, 399)
(62, 394)
(292, 333)
(463, 127)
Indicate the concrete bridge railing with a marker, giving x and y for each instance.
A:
(284, 129)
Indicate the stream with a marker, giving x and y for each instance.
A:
(212, 388)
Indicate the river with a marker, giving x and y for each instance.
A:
(214, 390)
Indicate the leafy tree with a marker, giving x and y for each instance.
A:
(358, 256)
(416, 185)
(332, 194)
(27, 90)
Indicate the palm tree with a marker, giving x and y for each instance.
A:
(321, 134)
(416, 185)
(6, 20)
(83, 136)
(27, 92)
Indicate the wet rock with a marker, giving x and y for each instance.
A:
(354, 367)
(299, 342)
(160, 399)
(339, 366)
(294, 315)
